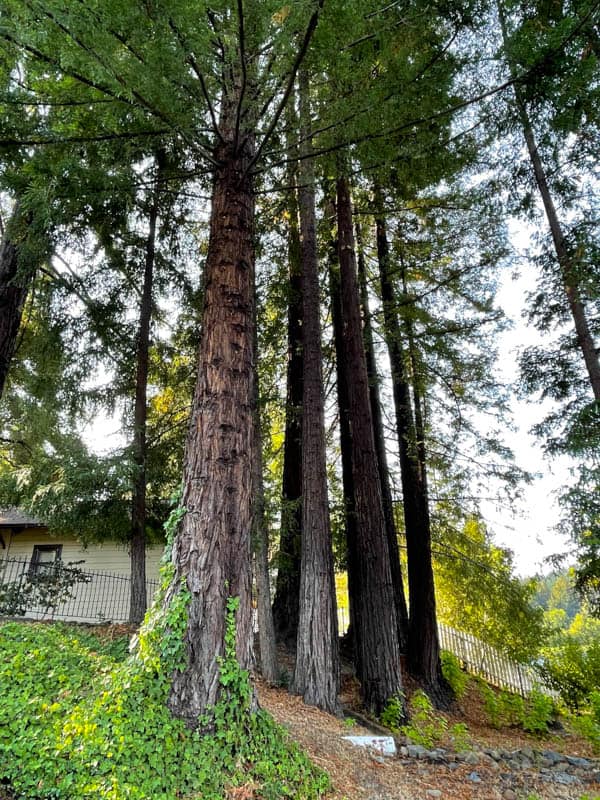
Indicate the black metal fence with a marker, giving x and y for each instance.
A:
(64, 591)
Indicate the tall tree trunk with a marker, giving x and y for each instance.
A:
(15, 281)
(376, 633)
(423, 641)
(212, 550)
(317, 672)
(342, 380)
(266, 629)
(378, 432)
(567, 265)
(138, 599)
(287, 587)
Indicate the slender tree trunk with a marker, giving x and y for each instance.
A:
(378, 432)
(376, 634)
(287, 588)
(138, 599)
(423, 641)
(567, 264)
(266, 629)
(212, 550)
(342, 380)
(317, 673)
(15, 281)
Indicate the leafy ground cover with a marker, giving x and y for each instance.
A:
(79, 720)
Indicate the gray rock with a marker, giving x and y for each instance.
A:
(438, 755)
(579, 762)
(528, 753)
(403, 751)
(514, 763)
(525, 763)
(552, 756)
(565, 778)
(453, 765)
(495, 754)
(474, 777)
(417, 751)
(471, 758)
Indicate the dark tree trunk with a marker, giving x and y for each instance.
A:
(138, 599)
(212, 550)
(567, 265)
(287, 587)
(266, 630)
(423, 641)
(15, 281)
(376, 632)
(317, 672)
(378, 432)
(342, 380)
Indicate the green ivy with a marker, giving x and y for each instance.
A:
(76, 723)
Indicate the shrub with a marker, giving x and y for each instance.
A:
(539, 712)
(454, 673)
(425, 727)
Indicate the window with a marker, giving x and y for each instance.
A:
(44, 557)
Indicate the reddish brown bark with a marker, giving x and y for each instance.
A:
(317, 672)
(212, 551)
(378, 432)
(423, 641)
(376, 632)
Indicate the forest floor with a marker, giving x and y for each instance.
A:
(360, 774)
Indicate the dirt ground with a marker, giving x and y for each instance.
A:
(357, 774)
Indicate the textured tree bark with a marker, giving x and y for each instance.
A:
(317, 671)
(423, 641)
(287, 587)
(212, 551)
(15, 281)
(376, 633)
(138, 599)
(378, 432)
(567, 265)
(343, 404)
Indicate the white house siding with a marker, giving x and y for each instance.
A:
(103, 599)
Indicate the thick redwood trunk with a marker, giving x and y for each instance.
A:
(138, 599)
(15, 280)
(287, 588)
(423, 641)
(317, 672)
(378, 432)
(376, 632)
(212, 551)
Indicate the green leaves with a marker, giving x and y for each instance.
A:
(75, 723)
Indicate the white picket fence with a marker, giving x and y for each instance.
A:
(480, 658)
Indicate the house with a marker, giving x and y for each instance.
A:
(36, 579)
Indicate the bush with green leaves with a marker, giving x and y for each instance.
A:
(540, 710)
(454, 673)
(42, 590)
(426, 727)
